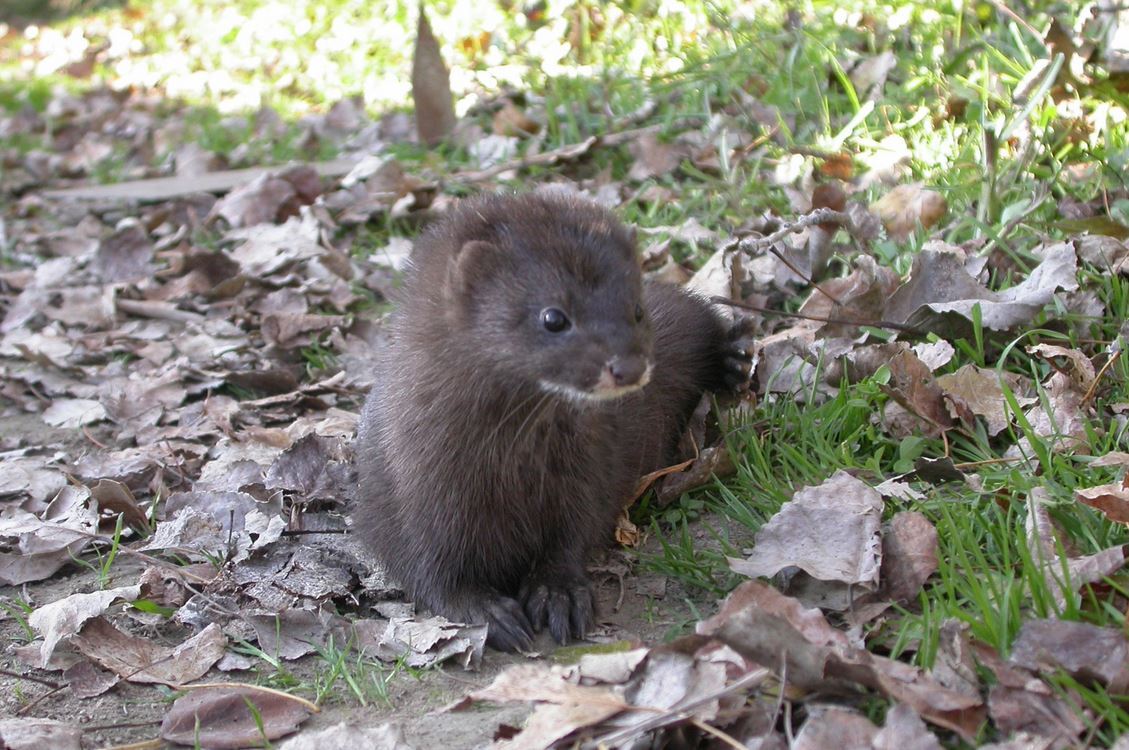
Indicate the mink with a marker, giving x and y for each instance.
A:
(530, 378)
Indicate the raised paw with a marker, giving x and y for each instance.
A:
(566, 606)
(737, 355)
(508, 629)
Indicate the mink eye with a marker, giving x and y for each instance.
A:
(554, 320)
(638, 313)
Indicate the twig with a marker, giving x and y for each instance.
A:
(255, 688)
(818, 216)
(840, 321)
(1097, 378)
(91, 438)
(564, 153)
(40, 680)
(142, 745)
(726, 738)
(1015, 17)
(157, 310)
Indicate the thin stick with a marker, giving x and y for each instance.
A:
(841, 321)
(256, 688)
(1097, 378)
(726, 738)
(40, 680)
(818, 216)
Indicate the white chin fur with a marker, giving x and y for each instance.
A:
(577, 395)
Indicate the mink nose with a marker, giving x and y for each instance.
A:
(627, 371)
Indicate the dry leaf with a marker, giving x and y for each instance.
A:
(141, 660)
(831, 531)
(510, 120)
(940, 287)
(431, 86)
(909, 555)
(907, 206)
(71, 413)
(832, 726)
(1111, 499)
(35, 734)
(31, 549)
(979, 391)
(423, 642)
(562, 707)
(1088, 653)
(1043, 540)
(64, 617)
(760, 633)
(348, 735)
(222, 719)
(654, 158)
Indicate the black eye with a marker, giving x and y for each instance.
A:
(554, 320)
(638, 313)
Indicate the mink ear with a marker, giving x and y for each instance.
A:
(477, 261)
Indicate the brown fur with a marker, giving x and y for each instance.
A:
(482, 491)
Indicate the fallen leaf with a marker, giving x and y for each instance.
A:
(1020, 702)
(259, 201)
(345, 734)
(907, 206)
(833, 726)
(869, 74)
(431, 86)
(913, 387)
(979, 390)
(124, 256)
(1043, 540)
(64, 617)
(939, 287)
(1111, 499)
(909, 555)
(831, 531)
(1081, 371)
(563, 707)
(654, 158)
(222, 718)
(71, 413)
(510, 120)
(423, 642)
(141, 660)
(904, 730)
(32, 549)
(1088, 653)
(34, 734)
(1061, 421)
(759, 633)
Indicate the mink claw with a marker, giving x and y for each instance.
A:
(737, 355)
(507, 627)
(567, 610)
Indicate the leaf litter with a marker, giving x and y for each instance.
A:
(172, 335)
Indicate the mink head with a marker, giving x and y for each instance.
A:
(547, 290)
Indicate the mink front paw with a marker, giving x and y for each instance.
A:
(565, 605)
(508, 628)
(737, 356)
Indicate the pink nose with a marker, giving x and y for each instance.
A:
(626, 370)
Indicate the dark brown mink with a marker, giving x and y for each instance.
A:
(530, 378)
